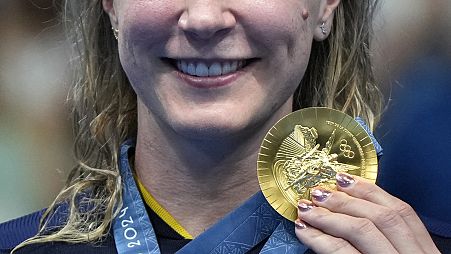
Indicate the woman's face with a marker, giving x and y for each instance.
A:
(214, 66)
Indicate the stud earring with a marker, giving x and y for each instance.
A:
(115, 32)
(323, 28)
(305, 14)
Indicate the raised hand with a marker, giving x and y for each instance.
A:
(360, 218)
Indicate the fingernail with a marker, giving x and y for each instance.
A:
(304, 207)
(299, 225)
(344, 180)
(320, 195)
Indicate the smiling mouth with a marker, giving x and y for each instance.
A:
(209, 68)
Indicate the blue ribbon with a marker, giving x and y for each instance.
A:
(133, 232)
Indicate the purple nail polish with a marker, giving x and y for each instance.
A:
(320, 195)
(304, 207)
(344, 180)
(299, 225)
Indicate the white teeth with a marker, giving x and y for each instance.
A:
(215, 70)
(201, 69)
(226, 68)
(183, 66)
(234, 66)
(191, 70)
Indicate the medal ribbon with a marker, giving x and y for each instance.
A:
(244, 228)
(133, 232)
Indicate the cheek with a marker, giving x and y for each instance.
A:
(278, 24)
(148, 23)
(286, 36)
(144, 26)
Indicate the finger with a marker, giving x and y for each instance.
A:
(361, 188)
(392, 226)
(320, 242)
(360, 232)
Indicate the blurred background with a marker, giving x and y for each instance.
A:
(35, 130)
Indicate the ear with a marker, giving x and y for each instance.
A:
(326, 17)
(108, 7)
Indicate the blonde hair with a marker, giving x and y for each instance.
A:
(339, 76)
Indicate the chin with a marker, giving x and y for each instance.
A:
(211, 126)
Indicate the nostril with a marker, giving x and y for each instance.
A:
(204, 31)
(207, 35)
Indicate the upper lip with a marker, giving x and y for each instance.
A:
(208, 61)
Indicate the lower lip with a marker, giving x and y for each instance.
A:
(210, 82)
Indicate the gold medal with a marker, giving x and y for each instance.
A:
(306, 149)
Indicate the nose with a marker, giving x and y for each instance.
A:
(204, 19)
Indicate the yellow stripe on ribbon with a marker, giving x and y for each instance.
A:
(161, 212)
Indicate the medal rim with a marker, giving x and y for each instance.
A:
(270, 186)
